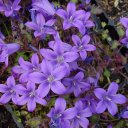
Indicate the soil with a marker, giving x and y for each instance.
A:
(114, 8)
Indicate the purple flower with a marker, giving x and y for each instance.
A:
(71, 16)
(124, 22)
(6, 50)
(91, 102)
(58, 56)
(87, 1)
(124, 41)
(82, 45)
(109, 99)
(80, 117)
(43, 6)
(41, 26)
(9, 8)
(59, 116)
(49, 78)
(30, 95)
(25, 67)
(75, 84)
(9, 90)
(86, 23)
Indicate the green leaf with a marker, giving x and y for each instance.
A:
(106, 73)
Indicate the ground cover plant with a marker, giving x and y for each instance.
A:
(62, 65)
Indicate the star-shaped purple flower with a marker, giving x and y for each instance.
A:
(124, 22)
(75, 84)
(10, 91)
(82, 46)
(9, 8)
(49, 78)
(30, 96)
(25, 68)
(41, 26)
(58, 56)
(59, 116)
(80, 117)
(109, 99)
(72, 18)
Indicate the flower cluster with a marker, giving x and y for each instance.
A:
(56, 69)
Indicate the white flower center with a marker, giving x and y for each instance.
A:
(50, 79)
(31, 94)
(60, 59)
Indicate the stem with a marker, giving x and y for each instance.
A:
(6, 29)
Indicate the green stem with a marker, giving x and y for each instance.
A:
(6, 29)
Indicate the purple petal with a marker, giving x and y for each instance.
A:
(13, 47)
(40, 19)
(8, 13)
(15, 3)
(11, 81)
(84, 122)
(60, 105)
(3, 88)
(59, 73)
(43, 89)
(32, 25)
(31, 105)
(66, 24)
(77, 91)
(69, 113)
(71, 8)
(37, 77)
(87, 15)
(89, 24)
(48, 54)
(79, 14)
(24, 77)
(17, 69)
(119, 99)
(90, 47)
(86, 113)
(124, 22)
(5, 98)
(58, 48)
(78, 24)
(50, 22)
(79, 76)
(83, 55)
(86, 40)
(113, 88)
(25, 64)
(101, 107)
(23, 100)
(100, 93)
(35, 59)
(112, 108)
(70, 56)
(62, 13)
(76, 40)
(41, 101)
(15, 98)
(125, 115)
(58, 88)
(31, 86)
(20, 89)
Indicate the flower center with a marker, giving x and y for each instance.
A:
(81, 47)
(50, 79)
(78, 117)
(32, 94)
(12, 91)
(60, 59)
(74, 83)
(108, 98)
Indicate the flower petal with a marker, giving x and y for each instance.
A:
(58, 88)
(113, 88)
(5, 98)
(99, 93)
(32, 25)
(69, 113)
(60, 105)
(41, 101)
(70, 56)
(112, 108)
(84, 122)
(37, 77)
(83, 55)
(71, 8)
(31, 105)
(86, 40)
(40, 19)
(62, 13)
(35, 59)
(3, 88)
(119, 99)
(66, 24)
(11, 81)
(43, 89)
(76, 40)
(101, 107)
